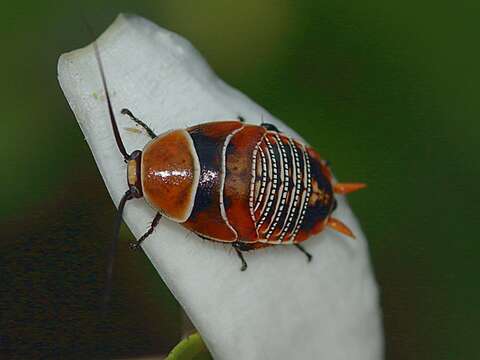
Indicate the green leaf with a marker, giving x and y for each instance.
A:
(191, 348)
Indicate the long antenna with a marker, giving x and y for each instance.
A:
(128, 194)
(113, 248)
(118, 138)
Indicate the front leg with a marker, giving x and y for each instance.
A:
(134, 245)
(149, 131)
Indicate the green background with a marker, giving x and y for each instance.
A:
(387, 91)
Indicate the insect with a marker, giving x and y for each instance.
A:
(247, 185)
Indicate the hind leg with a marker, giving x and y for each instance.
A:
(242, 259)
(302, 249)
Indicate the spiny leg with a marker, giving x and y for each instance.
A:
(238, 246)
(134, 245)
(139, 122)
(302, 249)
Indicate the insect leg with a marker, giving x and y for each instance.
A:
(244, 263)
(302, 249)
(238, 249)
(270, 127)
(139, 122)
(134, 245)
(241, 118)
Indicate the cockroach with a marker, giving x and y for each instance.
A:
(227, 181)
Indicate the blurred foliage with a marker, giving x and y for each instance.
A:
(387, 91)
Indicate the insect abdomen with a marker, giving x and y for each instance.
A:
(283, 190)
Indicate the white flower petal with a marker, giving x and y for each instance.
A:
(280, 308)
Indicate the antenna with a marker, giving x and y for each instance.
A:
(113, 247)
(128, 194)
(116, 133)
